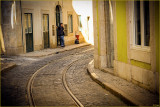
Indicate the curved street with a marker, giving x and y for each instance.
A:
(80, 53)
(47, 86)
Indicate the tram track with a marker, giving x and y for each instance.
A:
(31, 81)
(29, 87)
(78, 103)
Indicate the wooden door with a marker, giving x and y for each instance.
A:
(29, 32)
(46, 30)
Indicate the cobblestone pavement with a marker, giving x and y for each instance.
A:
(87, 91)
(47, 87)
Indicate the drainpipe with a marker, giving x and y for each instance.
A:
(1, 33)
(21, 24)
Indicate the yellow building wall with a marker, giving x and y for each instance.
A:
(122, 37)
(141, 64)
(133, 68)
(121, 31)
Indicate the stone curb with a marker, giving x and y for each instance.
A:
(62, 50)
(114, 90)
(8, 67)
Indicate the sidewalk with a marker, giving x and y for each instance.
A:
(9, 62)
(127, 91)
(50, 51)
(7, 66)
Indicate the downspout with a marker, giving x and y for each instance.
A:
(1, 33)
(21, 25)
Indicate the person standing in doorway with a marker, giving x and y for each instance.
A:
(61, 34)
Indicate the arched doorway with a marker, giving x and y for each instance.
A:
(58, 20)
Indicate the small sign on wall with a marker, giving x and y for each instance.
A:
(53, 31)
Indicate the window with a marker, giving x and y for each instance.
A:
(79, 23)
(137, 24)
(70, 23)
(142, 23)
(28, 23)
(146, 24)
(45, 23)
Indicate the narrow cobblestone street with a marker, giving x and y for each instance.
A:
(80, 53)
(47, 87)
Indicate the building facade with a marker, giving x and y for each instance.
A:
(126, 40)
(32, 25)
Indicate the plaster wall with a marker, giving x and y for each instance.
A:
(15, 38)
(135, 64)
(12, 36)
(49, 8)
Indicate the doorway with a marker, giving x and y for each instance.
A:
(29, 32)
(46, 30)
(58, 20)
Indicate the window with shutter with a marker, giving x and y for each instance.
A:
(65, 30)
(70, 23)
(79, 23)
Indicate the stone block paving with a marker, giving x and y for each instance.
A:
(128, 91)
(14, 81)
(85, 89)
(48, 84)
(48, 88)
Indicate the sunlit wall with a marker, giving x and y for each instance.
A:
(84, 8)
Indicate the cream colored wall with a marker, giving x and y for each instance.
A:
(85, 9)
(68, 9)
(99, 34)
(141, 75)
(12, 36)
(140, 72)
(37, 8)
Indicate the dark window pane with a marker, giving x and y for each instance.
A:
(137, 23)
(71, 24)
(58, 11)
(146, 24)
